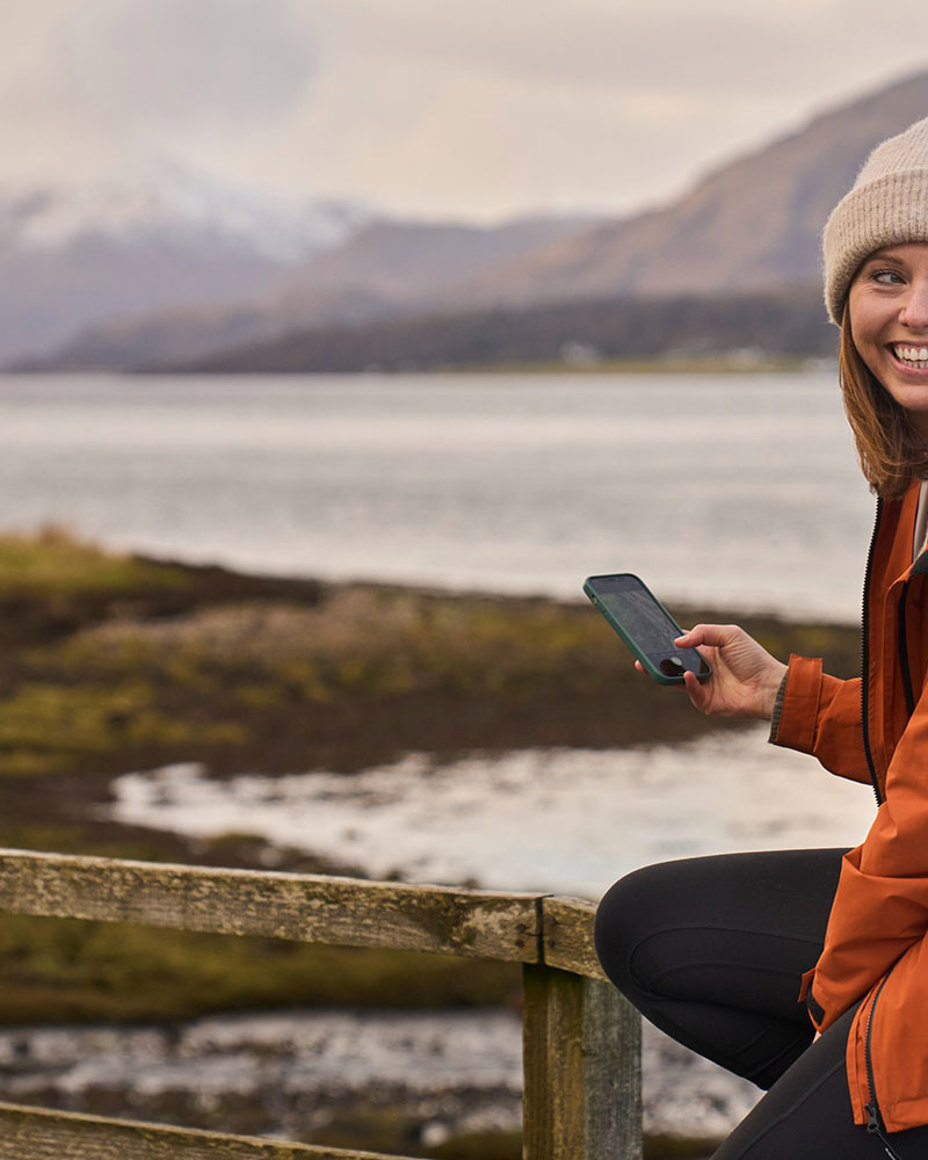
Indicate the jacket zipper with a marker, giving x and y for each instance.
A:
(904, 653)
(875, 1125)
(865, 658)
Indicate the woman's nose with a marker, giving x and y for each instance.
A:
(914, 312)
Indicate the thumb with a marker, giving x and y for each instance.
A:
(698, 693)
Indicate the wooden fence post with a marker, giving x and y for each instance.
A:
(582, 1066)
(582, 1040)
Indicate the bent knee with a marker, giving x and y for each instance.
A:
(630, 912)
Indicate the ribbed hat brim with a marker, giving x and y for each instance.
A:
(887, 206)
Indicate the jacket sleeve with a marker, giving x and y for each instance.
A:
(881, 904)
(821, 715)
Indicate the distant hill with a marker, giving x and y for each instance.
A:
(382, 270)
(73, 256)
(741, 329)
(751, 225)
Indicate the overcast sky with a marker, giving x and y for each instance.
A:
(434, 108)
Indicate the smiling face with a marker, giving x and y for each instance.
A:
(888, 310)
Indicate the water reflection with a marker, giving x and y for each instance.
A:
(568, 821)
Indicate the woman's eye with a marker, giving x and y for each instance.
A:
(887, 277)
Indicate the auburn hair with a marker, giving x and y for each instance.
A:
(891, 452)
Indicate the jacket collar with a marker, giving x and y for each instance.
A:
(899, 563)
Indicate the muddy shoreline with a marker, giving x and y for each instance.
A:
(401, 1081)
(248, 673)
(112, 664)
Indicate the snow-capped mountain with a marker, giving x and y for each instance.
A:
(185, 273)
(177, 201)
(75, 255)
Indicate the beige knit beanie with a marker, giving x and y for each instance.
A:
(887, 206)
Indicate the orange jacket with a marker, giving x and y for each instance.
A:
(876, 730)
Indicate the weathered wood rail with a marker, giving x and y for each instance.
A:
(581, 1040)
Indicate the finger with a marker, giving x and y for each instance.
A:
(690, 636)
(715, 635)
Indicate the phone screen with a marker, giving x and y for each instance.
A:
(645, 626)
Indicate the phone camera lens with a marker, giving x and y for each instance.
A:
(672, 667)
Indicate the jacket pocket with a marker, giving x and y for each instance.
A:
(815, 1009)
(875, 1124)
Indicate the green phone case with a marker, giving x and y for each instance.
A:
(650, 668)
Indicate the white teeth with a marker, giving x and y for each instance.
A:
(914, 355)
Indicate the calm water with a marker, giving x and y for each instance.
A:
(739, 490)
(283, 1073)
(583, 817)
(736, 489)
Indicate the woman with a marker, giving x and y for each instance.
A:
(807, 971)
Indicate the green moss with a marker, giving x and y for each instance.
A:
(258, 696)
(68, 838)
(63, 720)
(367, 644)
(48, 726)
(54, 561)
(371, 643)
(254, 676)
(27, 763)
(63, 969)
(480, 1146)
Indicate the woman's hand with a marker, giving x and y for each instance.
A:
(745, 677)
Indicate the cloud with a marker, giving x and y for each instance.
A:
(582, 103)
(667, 44)
(432, 107)
(183, 67)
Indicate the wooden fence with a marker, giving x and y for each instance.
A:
(581, 1040)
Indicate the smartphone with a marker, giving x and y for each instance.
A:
(646, 627)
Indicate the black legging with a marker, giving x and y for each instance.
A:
(711, 950)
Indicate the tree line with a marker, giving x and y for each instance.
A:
(760, 325)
